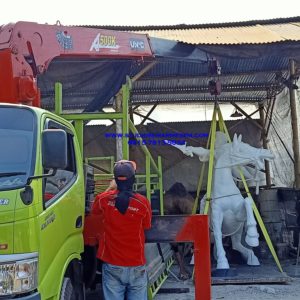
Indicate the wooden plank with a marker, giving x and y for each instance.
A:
(264, 274)
(220, 281)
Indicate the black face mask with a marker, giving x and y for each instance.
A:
(125, 192)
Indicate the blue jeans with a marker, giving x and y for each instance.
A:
(121, 283)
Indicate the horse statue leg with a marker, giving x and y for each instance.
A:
(244, 213)
(217, 219)
(247, 254)
(252, 234)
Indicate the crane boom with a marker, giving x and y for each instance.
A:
(27, 49)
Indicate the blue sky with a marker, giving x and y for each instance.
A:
(141, 12)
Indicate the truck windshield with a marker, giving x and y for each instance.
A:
(17, 137)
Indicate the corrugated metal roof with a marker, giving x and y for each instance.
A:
(235, 33)
(256, 34)
(205, 25)
(243, 80)
(229, 66)
(242, 88)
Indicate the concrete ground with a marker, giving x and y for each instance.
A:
(257, 291)
(290, 291)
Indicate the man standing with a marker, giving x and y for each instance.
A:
(125, 216)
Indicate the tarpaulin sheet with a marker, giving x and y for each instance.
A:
(177, 51)
(89, 84)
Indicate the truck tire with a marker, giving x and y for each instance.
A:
(67, 290)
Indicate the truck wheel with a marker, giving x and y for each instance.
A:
(67, 290)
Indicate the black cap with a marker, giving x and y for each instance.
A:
(124, 169)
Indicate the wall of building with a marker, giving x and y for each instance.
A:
(176, 166)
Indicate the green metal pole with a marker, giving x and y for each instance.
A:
(125, 120)
(112, 162)
(144, 148)
(160, 184)
(101, 158)
(58, 98)
(222, 125)
(211, 160)
(93, 116)
(200, 182)
(119, 130)
(78, 124)
(148, 173)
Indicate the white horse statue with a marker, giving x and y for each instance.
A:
(230, 212)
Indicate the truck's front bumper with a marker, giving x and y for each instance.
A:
(35, 296)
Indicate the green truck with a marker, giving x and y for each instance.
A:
(41, 227)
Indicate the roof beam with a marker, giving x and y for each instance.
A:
(241, 121)
(205, 76)
(264, 86)
(165, 126)
(247, 116)
(149, 113)
(199, 100)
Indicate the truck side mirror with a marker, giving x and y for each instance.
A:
(54, 149)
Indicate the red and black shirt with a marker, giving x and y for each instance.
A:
(122, 240)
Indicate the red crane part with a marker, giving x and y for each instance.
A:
(26, 50)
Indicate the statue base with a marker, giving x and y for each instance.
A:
(224, 273)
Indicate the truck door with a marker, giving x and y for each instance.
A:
(61, 222)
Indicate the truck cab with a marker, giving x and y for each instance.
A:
(41, 204)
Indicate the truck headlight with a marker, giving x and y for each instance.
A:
(18, 276)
